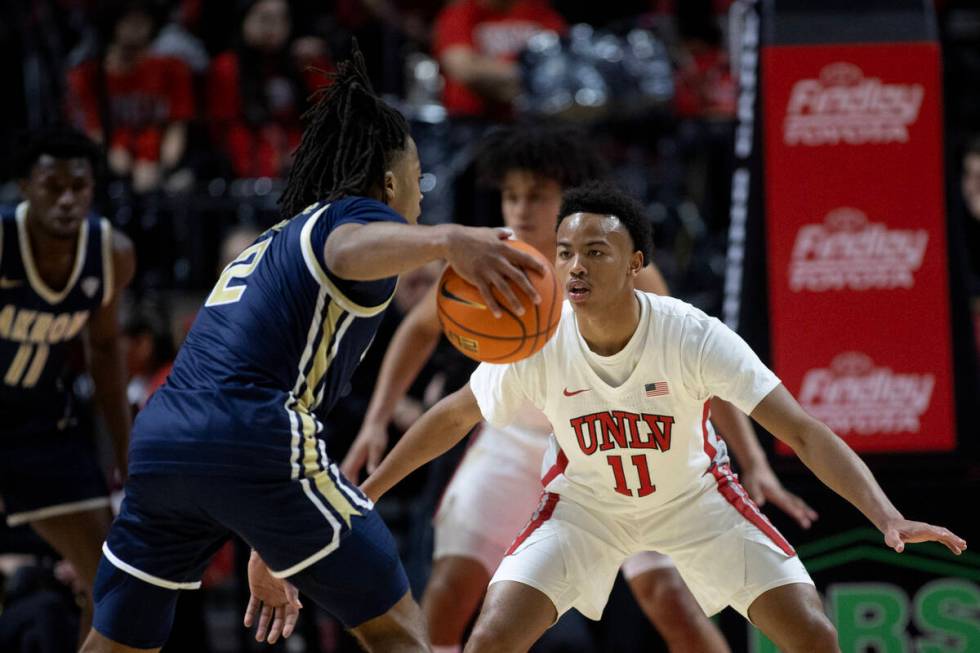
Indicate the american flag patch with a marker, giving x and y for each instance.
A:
(657, 389)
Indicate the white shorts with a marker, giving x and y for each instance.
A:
(487, 502)
(726, 551)
(640, 563)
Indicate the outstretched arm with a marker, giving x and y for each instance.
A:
(411, 346)
(755, 474)
(363, 252)
(441, 427)
(843, 471)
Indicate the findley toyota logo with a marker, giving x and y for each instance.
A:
(854, 396)
(848, 251)
(844, 106)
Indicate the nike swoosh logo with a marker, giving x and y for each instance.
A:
(10, 283)
(575, 392)
(456, 298)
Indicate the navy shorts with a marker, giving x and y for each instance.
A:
(170, 526)
(50, 474)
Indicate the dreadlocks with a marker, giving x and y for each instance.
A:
(348, 142)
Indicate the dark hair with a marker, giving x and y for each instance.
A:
(111, 12)
(59, 142)
(347, 144)
(559, 153)
(604, 198)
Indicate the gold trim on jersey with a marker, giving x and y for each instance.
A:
(33, 276)
(313, 368)
(297, 423)
(108, 280)
(313, 264)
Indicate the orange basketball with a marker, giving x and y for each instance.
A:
(473, 329)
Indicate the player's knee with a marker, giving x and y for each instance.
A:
(453, 591)
(814, 634)
(666, 598)
(446, 615)
(487, 637)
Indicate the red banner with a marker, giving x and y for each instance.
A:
(856, 237)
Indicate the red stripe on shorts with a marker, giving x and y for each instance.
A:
(736, 495)
(545, 509)
(561, 462)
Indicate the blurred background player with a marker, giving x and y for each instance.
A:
(498, 483)
(62, 270)
(270, 353)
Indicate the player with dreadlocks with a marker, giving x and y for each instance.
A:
(229, 445)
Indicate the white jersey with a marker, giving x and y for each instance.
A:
(647, 441)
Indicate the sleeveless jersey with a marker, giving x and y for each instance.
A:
(647, 441)
(270, 352)
(38, 324)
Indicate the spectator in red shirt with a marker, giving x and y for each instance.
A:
(133, 101)
(257, 91)
(477, 43)
(704, 84)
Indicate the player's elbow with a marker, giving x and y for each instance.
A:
(807, 435)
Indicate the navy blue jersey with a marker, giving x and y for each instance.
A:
(271, 351)
(38, 324)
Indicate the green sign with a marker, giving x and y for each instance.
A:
(940, 616)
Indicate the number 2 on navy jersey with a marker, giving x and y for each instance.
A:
(240, 268)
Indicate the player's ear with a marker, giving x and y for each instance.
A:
(390, 186)
(636, 263)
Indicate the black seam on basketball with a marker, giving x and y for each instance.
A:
(463, 327)
(442, 314)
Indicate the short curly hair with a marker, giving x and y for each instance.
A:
(561, 153)
(58, 141)
(604, 198)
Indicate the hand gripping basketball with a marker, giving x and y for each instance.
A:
(512, 335)
(482, 258)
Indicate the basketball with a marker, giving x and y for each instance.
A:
(473, 329)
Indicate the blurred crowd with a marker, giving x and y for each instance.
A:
(199, 105)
